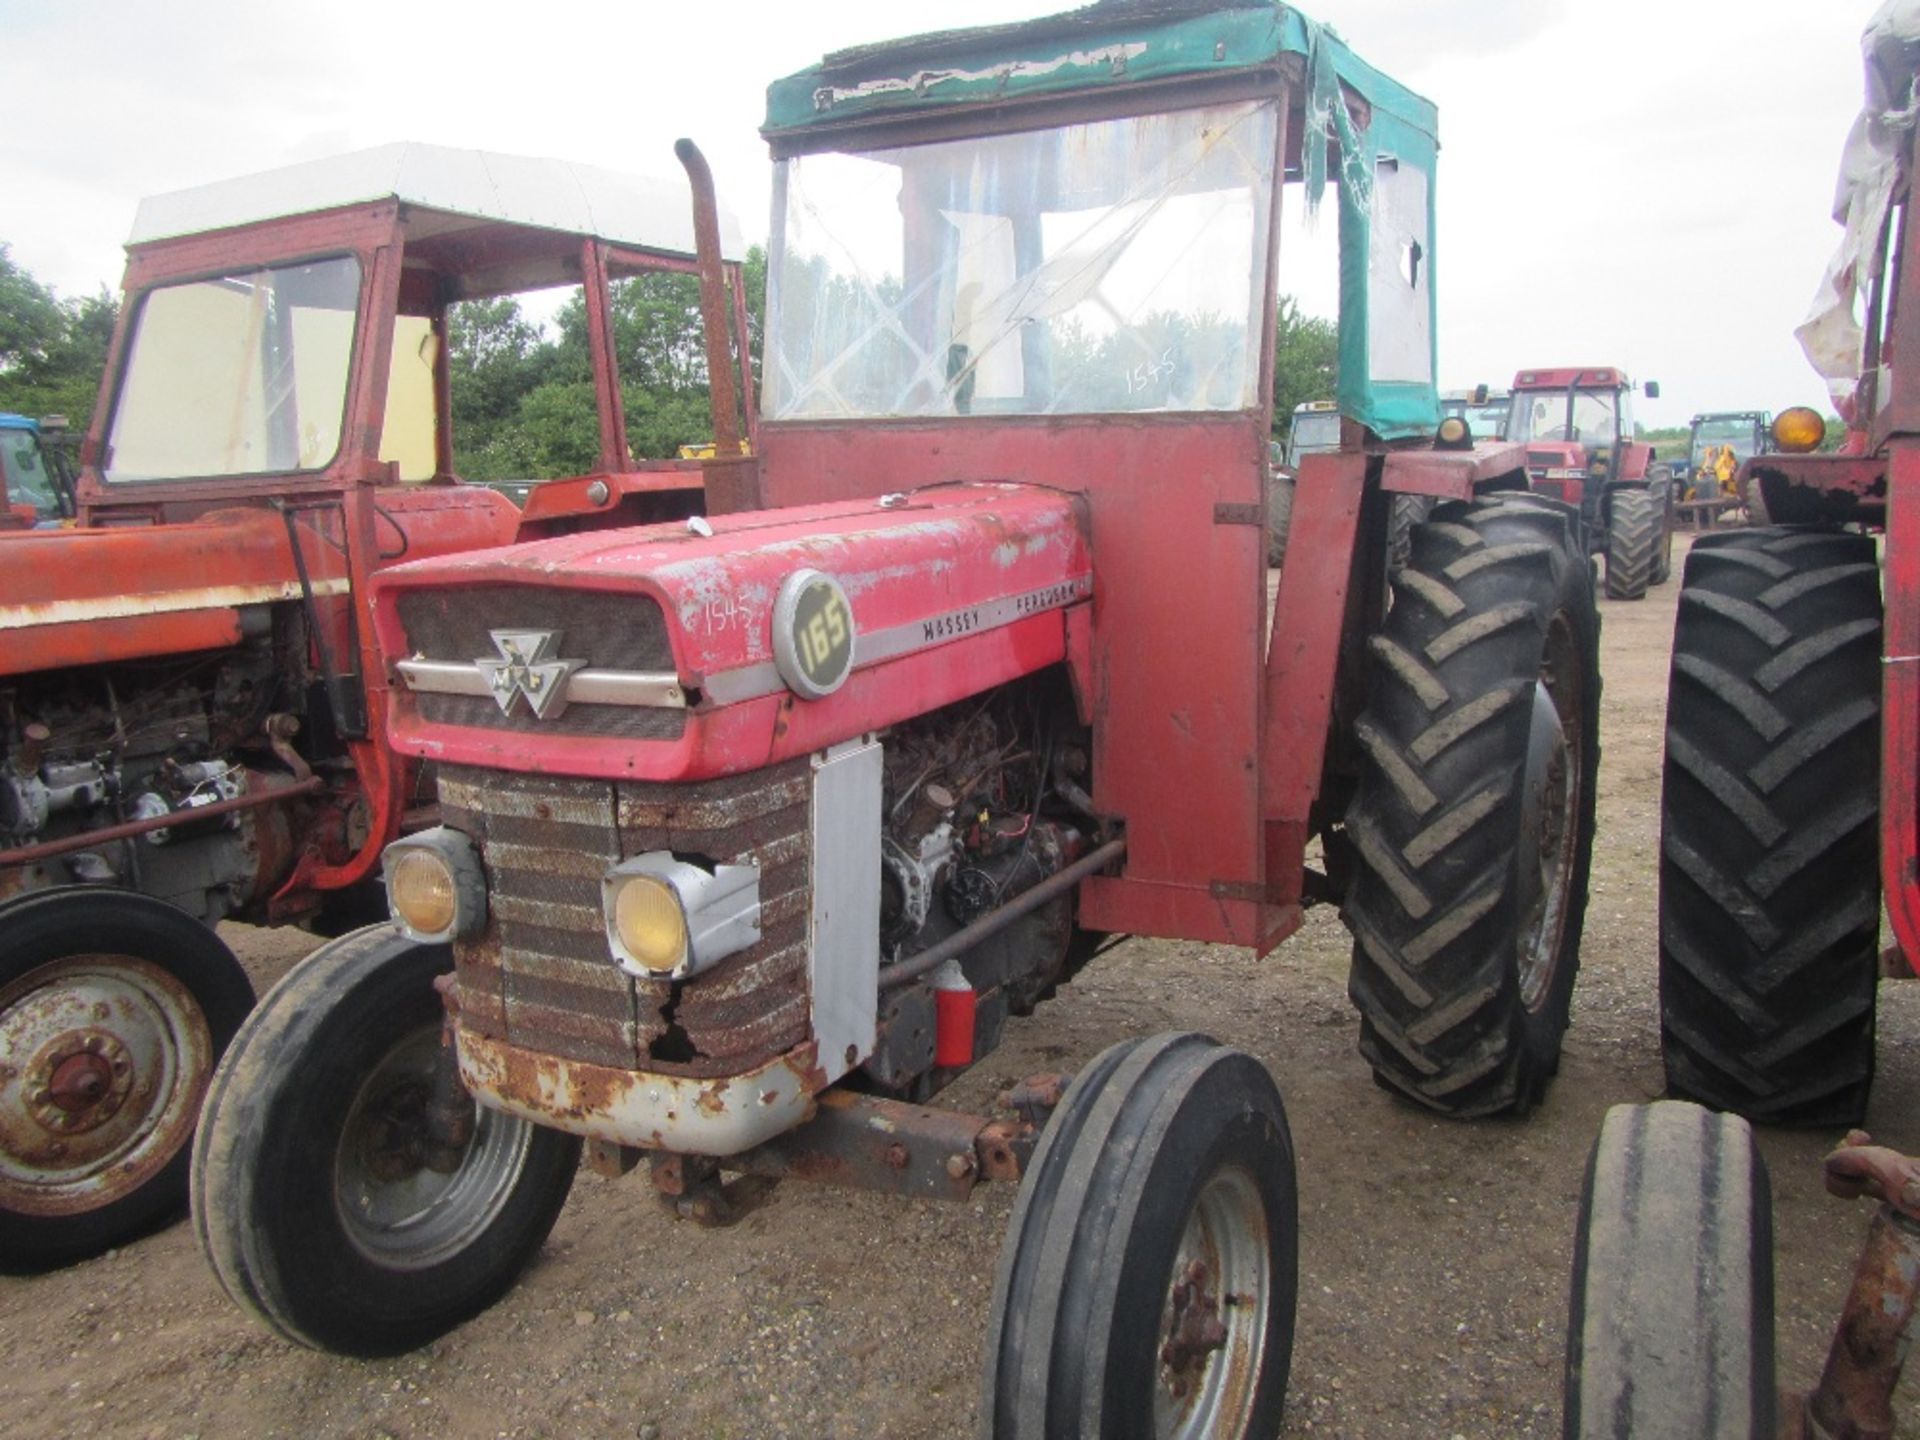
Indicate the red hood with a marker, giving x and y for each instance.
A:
(951, 590)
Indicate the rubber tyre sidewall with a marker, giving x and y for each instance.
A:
(264, 1188)
(48, 926)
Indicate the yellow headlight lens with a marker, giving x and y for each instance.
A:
(1799, 430)
(1453, 431)
(650, 923)
(420, 890)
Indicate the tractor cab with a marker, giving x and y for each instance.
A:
(1718, 444)
(1484, 410)
(39, 486)
(1314, 430)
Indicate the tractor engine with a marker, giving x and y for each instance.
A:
(96, 751)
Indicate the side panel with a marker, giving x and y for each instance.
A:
(843, 951)
(1900, 707)
(1179, 556)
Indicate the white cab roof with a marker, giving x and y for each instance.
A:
(640, 210)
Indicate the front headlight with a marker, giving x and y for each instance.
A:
(1798, 430)
(668, 919)
(649, 924)
(436, 888)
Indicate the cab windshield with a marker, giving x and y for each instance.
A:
(1578, 415)
(1314, 432)
(1118, 265)
(242, 374)
(1742, 434)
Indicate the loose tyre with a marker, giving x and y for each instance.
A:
(1670, 1332)
(1148, 1279)
(1769, 859)
(1634, 533)
(114, 1009)
(318, 1193)
(1472, 822)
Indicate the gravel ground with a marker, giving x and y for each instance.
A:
(1434, 1256)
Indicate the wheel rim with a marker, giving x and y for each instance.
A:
(104, 1060)
(1549, 831)
(395, 1207)
(1213, 1322)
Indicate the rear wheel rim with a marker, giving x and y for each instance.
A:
(1550, 832)
(104, 1060)
(1213, 1320)
(396, 1209)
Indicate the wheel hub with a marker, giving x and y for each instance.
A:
(1214, 1319)
(80, 1080)
(1549, 831)
(117, 1058)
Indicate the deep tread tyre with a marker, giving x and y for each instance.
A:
(1662, 488)
(1670, 1330)
(1406, 512)
(110, 994)
(1633, 535)
(1461, 976)
(1279, 517)
(1164, 1151)
(1769, 859)
(296, 1196)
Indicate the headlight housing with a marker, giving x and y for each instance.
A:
(668, 918)
(436, 887)
(1798, 430)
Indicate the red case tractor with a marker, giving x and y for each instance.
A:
(756, 830)
(192, 712)
(1577, 425)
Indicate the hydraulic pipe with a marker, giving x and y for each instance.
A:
(995, 921)
(67, 844)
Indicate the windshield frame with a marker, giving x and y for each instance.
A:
(125, 353)
(1523, 401)
(887, 142)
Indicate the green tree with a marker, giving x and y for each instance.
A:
(1306, 362)
(52, 351)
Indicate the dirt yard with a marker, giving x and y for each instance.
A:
(1434, 1256)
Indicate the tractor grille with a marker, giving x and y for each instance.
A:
(541, 975)
(609, 631)
(1544, 457)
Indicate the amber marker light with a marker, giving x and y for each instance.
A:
(649, 923)
(1799, 430)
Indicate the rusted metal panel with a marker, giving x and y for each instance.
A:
(1450, 474)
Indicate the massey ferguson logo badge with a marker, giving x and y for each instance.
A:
(526, 668)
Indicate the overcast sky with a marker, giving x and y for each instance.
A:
(1643, 183)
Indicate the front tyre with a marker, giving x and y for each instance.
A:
(1634, 533)
(114, 1009)
(1472, 822)
(1670, 1333)
(319, 1194)
(1149, 1275)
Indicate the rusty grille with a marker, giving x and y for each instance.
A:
(608, 631)
(541, 975)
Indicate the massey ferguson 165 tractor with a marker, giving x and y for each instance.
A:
(1577, 425)
(192, 717)
(756, 830)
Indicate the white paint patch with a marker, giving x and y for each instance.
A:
(166, 602)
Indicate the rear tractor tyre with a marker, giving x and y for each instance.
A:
(1407, 511)
(114, 1009)
(1663, 493)
(1769, 844)
(1633, 537)
(1149, 1275)
(315, 1192)
(1279, 517)
(1670, 1330)
(1472, 822)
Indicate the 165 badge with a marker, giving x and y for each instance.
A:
(812, 634)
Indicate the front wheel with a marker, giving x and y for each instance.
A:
(1149, 1275)
(114, 1009)
(1472, 823)
(1670, 1334)
(323, 1199)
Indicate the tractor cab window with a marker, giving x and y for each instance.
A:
(1111, 266)
(1587, 417)
(1596, 417)
(29, 479)
(1740, 432)
(243, 374)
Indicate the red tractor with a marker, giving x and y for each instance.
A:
(1577, 425)
(192, 712)
(1790, 818)
(756, 830)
